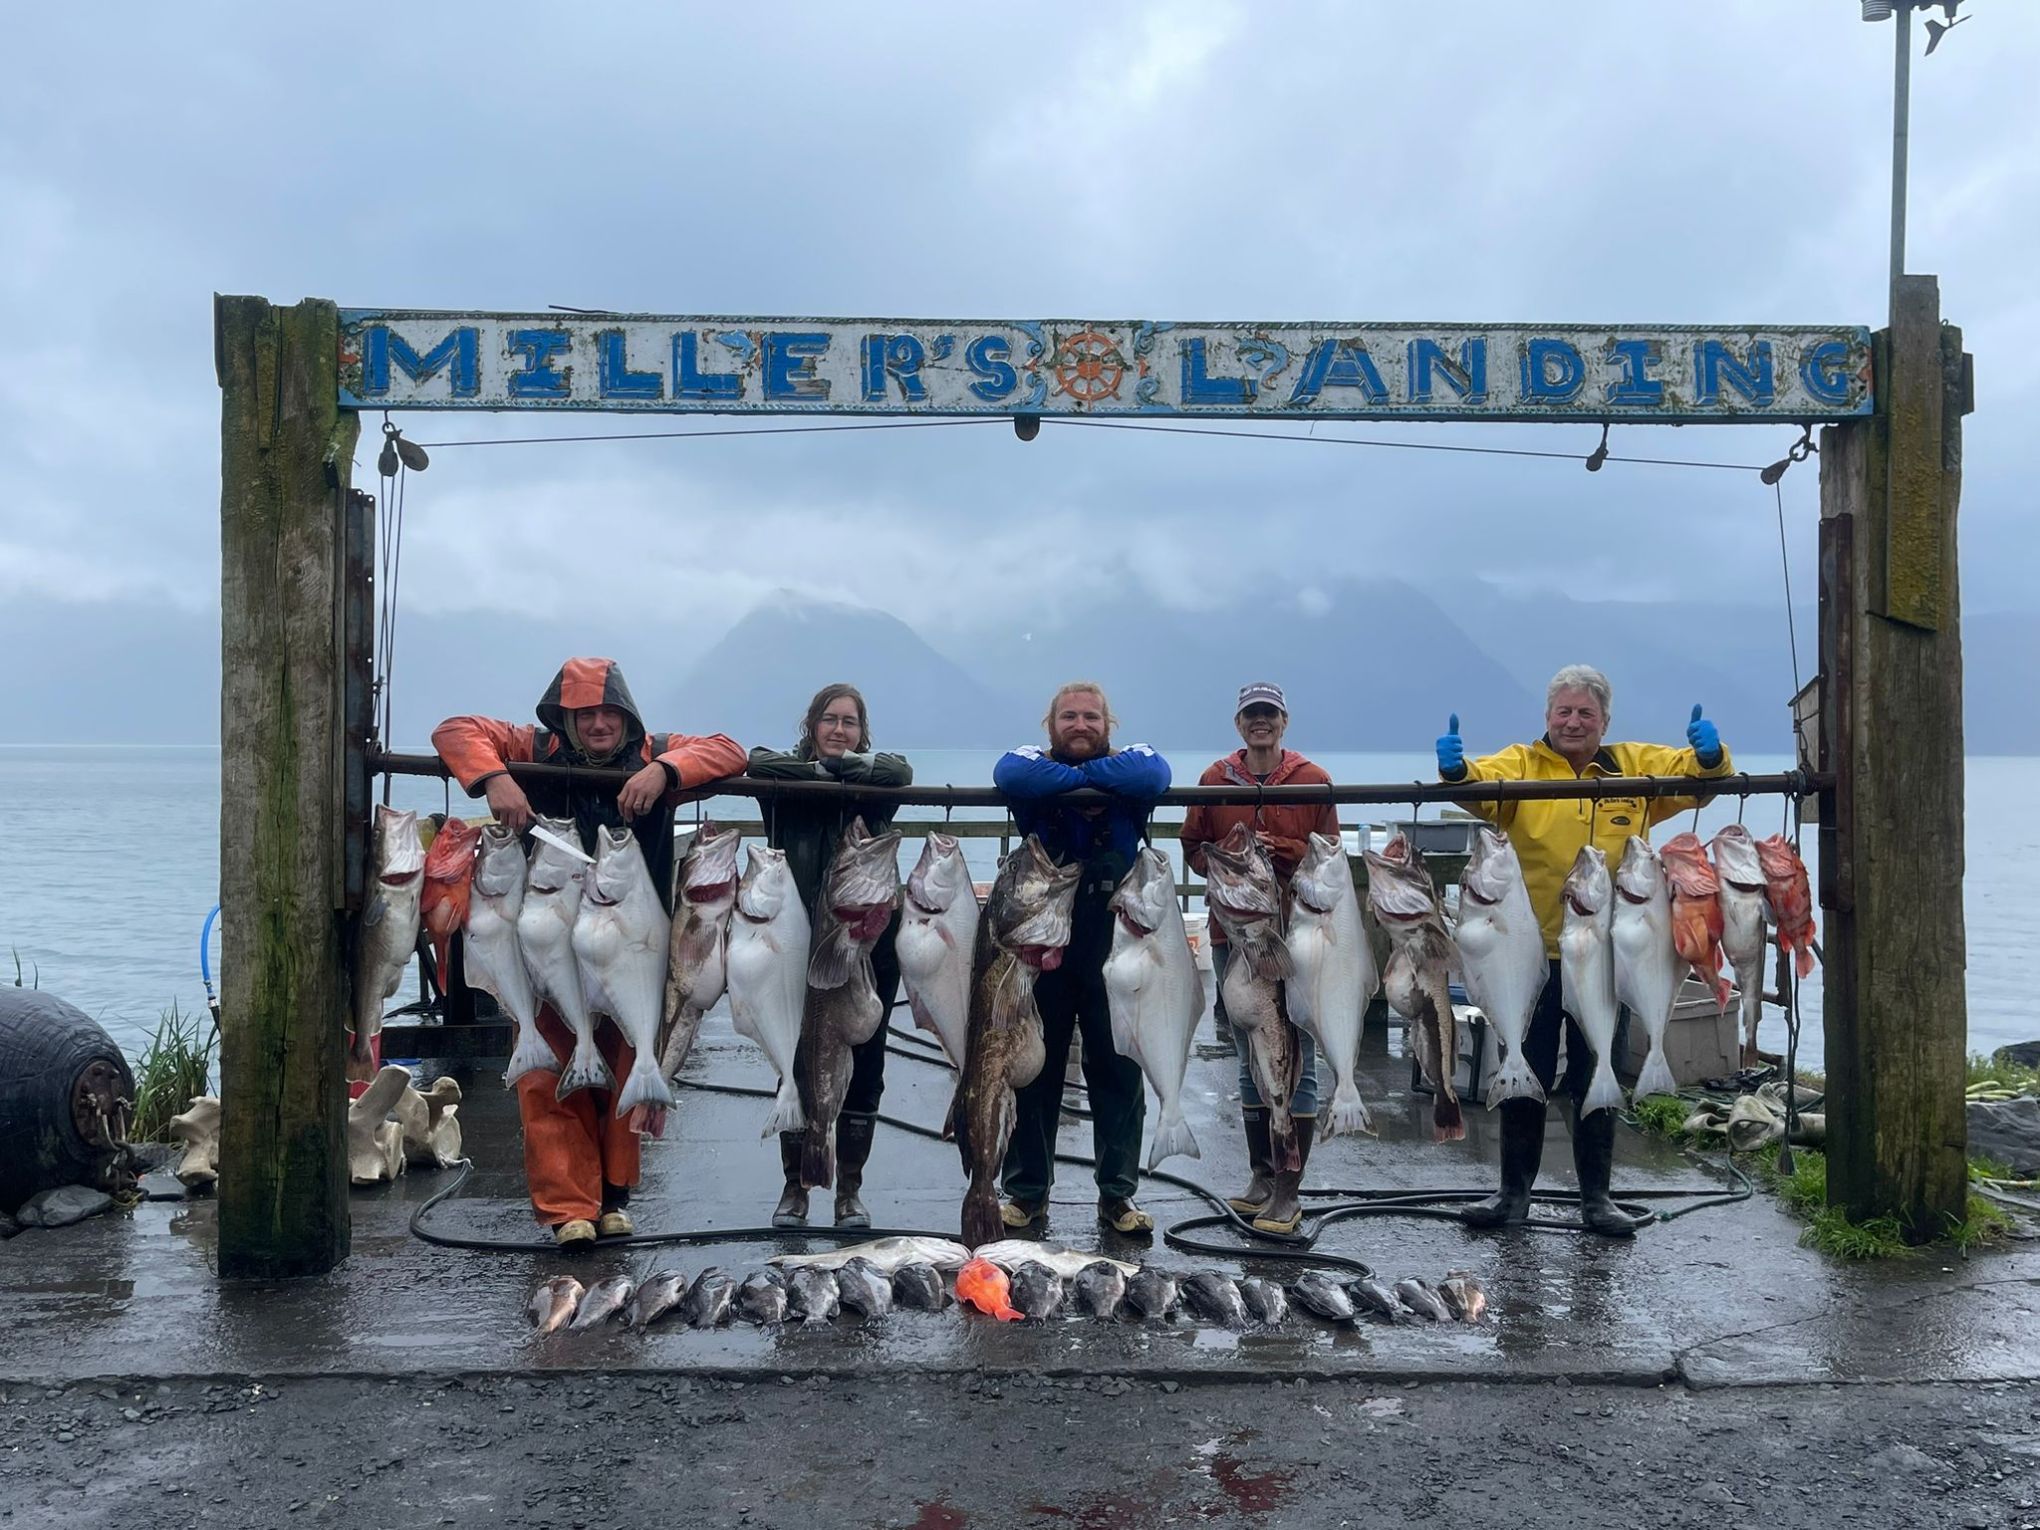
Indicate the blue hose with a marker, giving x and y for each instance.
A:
(205, 958)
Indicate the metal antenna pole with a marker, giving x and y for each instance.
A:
(1901, 112)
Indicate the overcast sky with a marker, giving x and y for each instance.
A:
(1614, 161)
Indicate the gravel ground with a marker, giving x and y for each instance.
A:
(578, 1453)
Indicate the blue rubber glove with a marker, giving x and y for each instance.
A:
(1705, 739)
(1451, 751)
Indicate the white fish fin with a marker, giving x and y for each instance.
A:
(1604, 1093)
(786, 1112)
(1655, 1077)
(1514, 1080)
(644, 1085)
(534, 1054)
(1172, 1136)
(585, 1070)
(1348, 1114)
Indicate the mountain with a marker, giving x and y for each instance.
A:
(1366, 664)
(754, 684)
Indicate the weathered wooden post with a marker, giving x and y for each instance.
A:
(285, 453)
(1896, 1015)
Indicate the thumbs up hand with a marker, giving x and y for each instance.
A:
(1705, 739)
(1451, 751)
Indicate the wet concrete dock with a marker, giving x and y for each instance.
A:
(1721, 1298)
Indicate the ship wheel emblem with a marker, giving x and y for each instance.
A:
(1089, 367)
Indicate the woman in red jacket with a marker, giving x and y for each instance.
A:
(580, 1162)
(1284, 830)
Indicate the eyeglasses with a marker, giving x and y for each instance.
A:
(832, 720)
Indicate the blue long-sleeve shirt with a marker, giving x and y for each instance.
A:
(1032, 779)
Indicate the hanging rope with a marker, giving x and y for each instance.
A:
(1785, 567)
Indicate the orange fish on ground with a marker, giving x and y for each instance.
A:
(984, 1285)
(449, 877)
(1790, 898)
(1696, 910)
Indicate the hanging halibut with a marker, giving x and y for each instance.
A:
(1154, 992)
(1741, 873)
(1648, 968)
(1405, 904)
(1334, 977)
(768, 960)
(621, 934)
(1501, 951)
(1586, 967)
(545, 930)
(697, 960)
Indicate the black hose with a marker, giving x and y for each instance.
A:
(1299, 1247)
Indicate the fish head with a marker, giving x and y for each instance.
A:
(1736, 858)
(940, 877)
(398, 854)
(554, 866)
(1588, 887)
(1030, 904)
(711, 865)
(1239, 879)
(863, 883)
(453, 850)
(1146, 893)
(1687, 867)
(767, 885)
(619, 867)
(1492, 871)
(1779, 858)
(1641, 876)
(501, 865)
(1323, 877)
(1399, 886)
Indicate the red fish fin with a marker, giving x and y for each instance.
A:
(1803, 958)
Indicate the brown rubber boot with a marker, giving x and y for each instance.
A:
(1260, 1159)
(1284, 1211)
(853, 1147)
(792, 1208)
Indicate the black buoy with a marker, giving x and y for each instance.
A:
(66, 1095)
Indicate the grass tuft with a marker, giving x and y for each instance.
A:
(1832, 1233)
(35, 978)
(176, 1066)
(1999, 1075)
(1986, 1225)
(1662, 1115)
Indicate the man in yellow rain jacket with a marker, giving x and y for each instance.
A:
(1548, 836)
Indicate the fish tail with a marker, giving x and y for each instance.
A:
(643, 1086)
(1604, 1093)
(1803, 959)
(786, 1113)
(533, 1055)
(1514, 1080)
(1348, 1114)
(1752, 1002)
(360, 1059)
(1655, 1077)
(981, 1220)
(586, 1070)
(1448, 1124)
(817, 1157)
(1172, 1136)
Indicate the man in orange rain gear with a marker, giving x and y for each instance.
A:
(580, 1161)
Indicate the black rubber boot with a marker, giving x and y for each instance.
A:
(853, 1146)
(1522, 1151)
(1260, 1159)
(792, 1208)
(1284, 1211)
(1593, 1151)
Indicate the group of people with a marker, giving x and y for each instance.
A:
(580, 1163)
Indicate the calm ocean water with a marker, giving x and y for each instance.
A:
(112, 856)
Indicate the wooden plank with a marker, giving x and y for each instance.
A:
(1896, 1009)
(1918, 559)
(285, 449)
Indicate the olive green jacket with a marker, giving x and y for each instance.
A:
(808, 831)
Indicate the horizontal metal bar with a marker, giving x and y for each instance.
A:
(1791, 783)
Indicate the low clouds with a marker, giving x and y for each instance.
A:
(1481, 162)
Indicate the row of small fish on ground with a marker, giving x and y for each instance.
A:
(1012, 1281)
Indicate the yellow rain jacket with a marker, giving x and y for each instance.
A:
(1549, 835)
